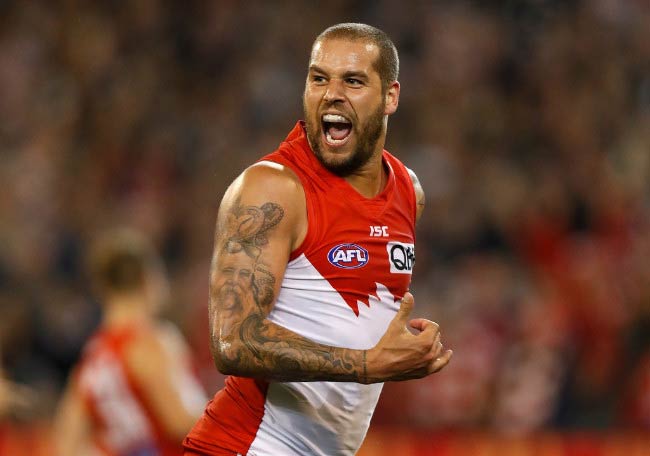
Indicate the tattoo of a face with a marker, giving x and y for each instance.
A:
(242, 270)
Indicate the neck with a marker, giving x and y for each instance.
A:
(128, 308)
(370, 179)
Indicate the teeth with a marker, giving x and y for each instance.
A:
(335, 118)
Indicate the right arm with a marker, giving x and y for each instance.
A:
(262, 218)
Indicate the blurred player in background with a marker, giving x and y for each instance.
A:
(132, 392)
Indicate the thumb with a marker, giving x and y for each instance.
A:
(405, 308)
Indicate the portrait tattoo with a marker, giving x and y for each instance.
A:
(247, 232)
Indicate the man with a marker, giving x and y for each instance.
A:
(133, 392)
(312, 262)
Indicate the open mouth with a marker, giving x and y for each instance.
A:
(336, 129)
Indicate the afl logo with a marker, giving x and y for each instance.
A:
(348, 256)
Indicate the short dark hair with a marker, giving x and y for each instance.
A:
(387, 64)
(120, 260)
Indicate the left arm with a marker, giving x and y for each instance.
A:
(419, 194)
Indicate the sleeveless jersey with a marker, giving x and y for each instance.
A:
(341, 288)
(122, 423)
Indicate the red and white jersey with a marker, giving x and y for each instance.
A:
(340, 288)
(122, 422)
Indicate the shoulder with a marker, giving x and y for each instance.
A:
(419, 192)
(266, 180)
(171, 338)
(263, 182)
(147, 348)
(272, 178)
(268, 191)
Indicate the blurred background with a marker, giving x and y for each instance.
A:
(528, 123)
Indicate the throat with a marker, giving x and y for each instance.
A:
(369, 184)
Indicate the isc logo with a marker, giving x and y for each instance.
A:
(348, 256)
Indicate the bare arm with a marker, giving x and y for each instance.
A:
(261, 220)
(156, 360)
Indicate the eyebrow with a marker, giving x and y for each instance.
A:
(347, 74)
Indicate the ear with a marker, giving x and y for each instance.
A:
(392, 98)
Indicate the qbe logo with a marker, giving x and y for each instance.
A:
(348, 256)
(401, 257)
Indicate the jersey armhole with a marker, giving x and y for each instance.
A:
(311, 217)
(308, 237)
(406, 178)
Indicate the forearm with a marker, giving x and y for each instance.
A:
(262, 349)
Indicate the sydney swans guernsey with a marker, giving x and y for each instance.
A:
(341, 288)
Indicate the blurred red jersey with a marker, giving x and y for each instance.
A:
(123, 424)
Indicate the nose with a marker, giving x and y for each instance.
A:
(334, 91)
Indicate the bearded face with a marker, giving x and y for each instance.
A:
(333, 130)
(345, 104)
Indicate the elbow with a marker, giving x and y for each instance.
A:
(223, 365)
(225, 356)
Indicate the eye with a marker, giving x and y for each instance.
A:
(228, 271)
(353, 81)
(245, 273)
(318, 79)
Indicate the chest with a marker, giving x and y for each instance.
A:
(359, 249)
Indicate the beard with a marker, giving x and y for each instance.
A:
(367, 136)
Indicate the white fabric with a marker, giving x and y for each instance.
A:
(321, 418)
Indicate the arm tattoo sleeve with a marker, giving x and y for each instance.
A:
(242, 291)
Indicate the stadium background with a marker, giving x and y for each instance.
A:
(528, 123)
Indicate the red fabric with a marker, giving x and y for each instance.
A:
(231, 419)
(329, 201)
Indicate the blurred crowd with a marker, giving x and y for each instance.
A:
(528, 123)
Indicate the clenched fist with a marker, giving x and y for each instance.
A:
(402, 355)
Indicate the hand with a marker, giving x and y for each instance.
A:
(402, 355)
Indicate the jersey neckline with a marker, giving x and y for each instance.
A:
(374, 205)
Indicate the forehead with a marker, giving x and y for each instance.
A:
(344, 55)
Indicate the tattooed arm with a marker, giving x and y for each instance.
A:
(262, 218)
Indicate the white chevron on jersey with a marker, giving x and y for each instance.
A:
(321, 418)
(310, 306)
